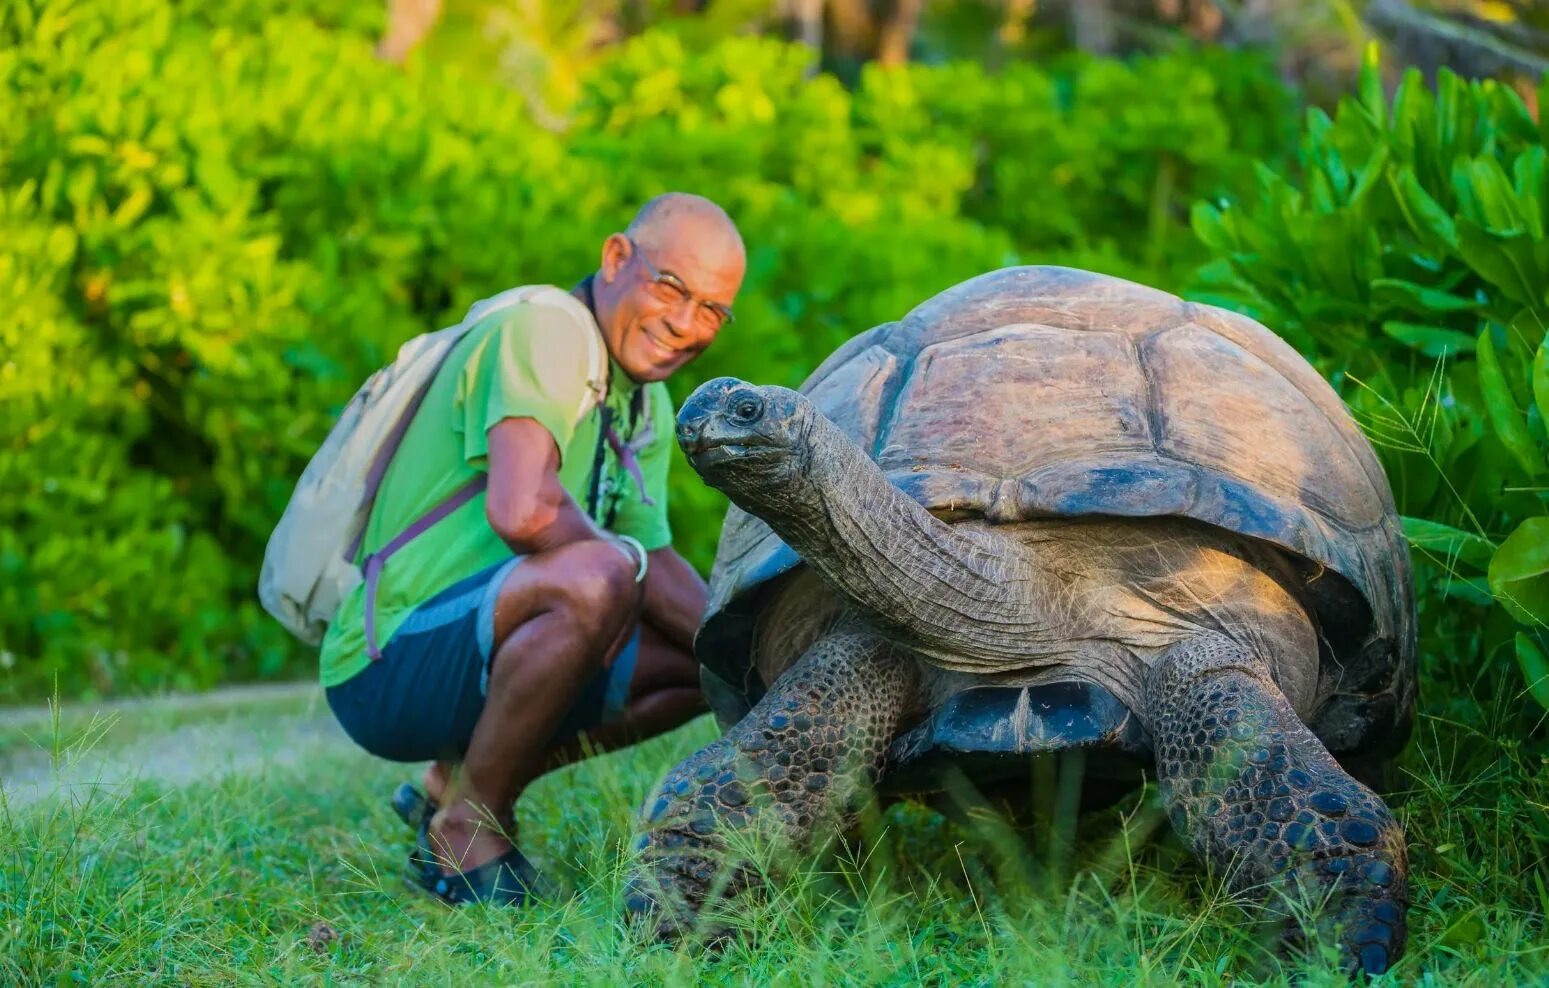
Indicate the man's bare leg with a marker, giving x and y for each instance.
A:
(437, 777)
(663, 694)
(555, 618)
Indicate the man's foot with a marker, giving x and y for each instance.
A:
(507, 880)
(464, 837)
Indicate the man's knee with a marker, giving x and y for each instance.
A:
(595, 579)
(590, 585)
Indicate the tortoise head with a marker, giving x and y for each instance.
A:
(740, 437)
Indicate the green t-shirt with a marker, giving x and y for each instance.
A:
(526, 362)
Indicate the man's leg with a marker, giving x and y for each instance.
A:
(663, 694)
(555, 617)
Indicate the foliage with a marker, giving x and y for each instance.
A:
(215, 219)
(1409, 258)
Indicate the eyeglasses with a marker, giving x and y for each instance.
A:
(669, 288)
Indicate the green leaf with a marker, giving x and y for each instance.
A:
(1421, 298)
(1370, 173)
(1426, 218)
(1433, 341)
(1465, 931)
(1448, 543)
(1208, 226)
(1473, 590)
(1511, 114)
(1505, 262)
(1412, 112)
(1528, 182)
(1493, 197)
(1535, 668)
(1519, 572)
(1373, 98)
(1510, 424)
(1541, 378)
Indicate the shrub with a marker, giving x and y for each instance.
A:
(215, 219)
(1408, 257)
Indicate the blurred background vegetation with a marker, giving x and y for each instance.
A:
(216, 216)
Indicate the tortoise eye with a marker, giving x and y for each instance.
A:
(747, 408)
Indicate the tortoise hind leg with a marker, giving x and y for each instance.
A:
(1255, 793)
(799, 761)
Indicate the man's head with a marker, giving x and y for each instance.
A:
(666, 284)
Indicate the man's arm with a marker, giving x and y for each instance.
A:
(525, 504)
(675, 597)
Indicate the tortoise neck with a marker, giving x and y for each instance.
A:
(939, 589)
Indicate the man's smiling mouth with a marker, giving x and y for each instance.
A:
(661, 348)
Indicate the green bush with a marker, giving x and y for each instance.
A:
(1408, 257)
(215, 219)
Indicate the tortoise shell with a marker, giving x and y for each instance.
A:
(1043, 391)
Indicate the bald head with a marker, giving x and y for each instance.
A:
(675, 217)
(667, 283)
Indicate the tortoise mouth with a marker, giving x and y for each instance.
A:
(716, 453)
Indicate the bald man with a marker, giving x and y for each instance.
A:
(554, 604)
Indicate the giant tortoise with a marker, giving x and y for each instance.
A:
(1051, 508)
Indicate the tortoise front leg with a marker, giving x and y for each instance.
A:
(800, 760)
(1255, 793)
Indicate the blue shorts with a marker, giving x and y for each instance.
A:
(421, 699)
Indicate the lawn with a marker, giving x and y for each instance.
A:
(240, 840)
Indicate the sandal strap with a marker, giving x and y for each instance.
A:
(411, 805)
(508, 880)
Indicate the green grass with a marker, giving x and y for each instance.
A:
(221, 882)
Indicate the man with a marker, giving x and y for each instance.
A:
(520, 619)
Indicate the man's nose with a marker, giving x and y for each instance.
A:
(680, 319)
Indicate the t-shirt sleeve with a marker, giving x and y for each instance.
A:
(533, 365)
(648, 522)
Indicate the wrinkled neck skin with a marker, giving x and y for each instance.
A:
(938, 589)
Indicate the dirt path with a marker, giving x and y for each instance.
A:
(173, 741)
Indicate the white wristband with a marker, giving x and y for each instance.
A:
(645, 561)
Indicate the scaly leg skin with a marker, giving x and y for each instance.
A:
(801, 760)
(1256, 794)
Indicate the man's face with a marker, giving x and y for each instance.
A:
(667, 305)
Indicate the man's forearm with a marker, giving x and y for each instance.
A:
(675, 597)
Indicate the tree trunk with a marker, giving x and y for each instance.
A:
(1092, 26)
(898, 32)
(807, 23)
(408, 22)
(1466, 46)
(1013, 27)
(854, 29)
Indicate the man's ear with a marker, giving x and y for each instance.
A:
(616, 251)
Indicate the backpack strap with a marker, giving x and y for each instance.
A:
(374, 562)
(384, 455)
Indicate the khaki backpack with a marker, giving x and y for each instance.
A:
(310, 562)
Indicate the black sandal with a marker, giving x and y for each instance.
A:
(509, 880)
(412, 806)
